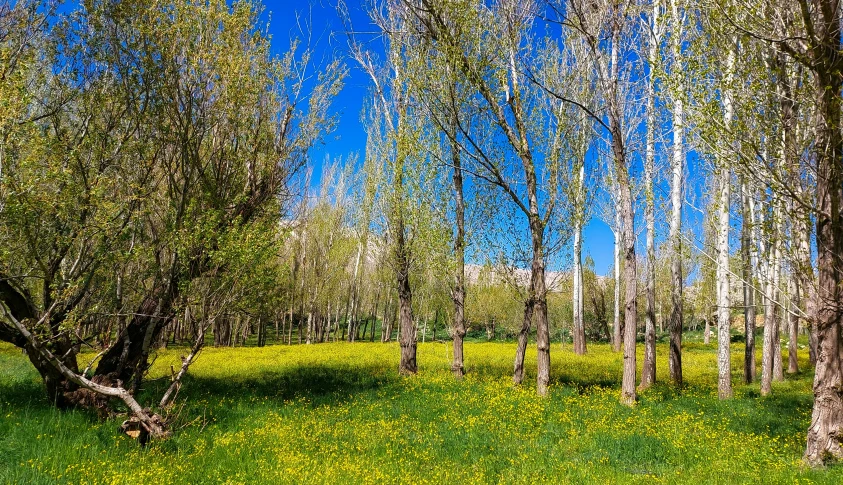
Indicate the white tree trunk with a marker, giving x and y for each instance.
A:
(616, 343)
(770, 270)
(793, 323)
(724, 361)
(779, 314)
(352, 300)
(577, 297)
(648, 371)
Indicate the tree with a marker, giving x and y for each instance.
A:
(171, 128)
(677, 172)
(594, 22)
(648, 371)
(724, 362)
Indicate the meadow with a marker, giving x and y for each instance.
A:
(338, 413)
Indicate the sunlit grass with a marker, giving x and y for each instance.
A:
(338, 413)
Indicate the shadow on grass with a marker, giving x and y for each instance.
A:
(228, 400)
(22, 392)
(316, 383)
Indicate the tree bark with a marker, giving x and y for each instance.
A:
(724, 327)
(523, 337)
(458, 294)
(770, 330)
(825, 434)
(351, 292)
(779, 314)
(793, 325)
(617, 324)
(749, 367)
(577, 297)
(724, 360)
(540, 310)
(628, 395)
(625, 208)
(407, 337)
(124, 359)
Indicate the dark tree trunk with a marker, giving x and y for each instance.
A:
(628, 394)
(825, 434)
(458, 295)
(127, 356)
(407, 337)
(523, 337)
(540, 309)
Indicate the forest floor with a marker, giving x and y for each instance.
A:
(338, 413)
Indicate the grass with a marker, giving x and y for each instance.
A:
(338, 413)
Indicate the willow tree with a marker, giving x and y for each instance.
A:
(403, 152)
(490, 48)
(440, 92)
(170, 126)
(391, 105)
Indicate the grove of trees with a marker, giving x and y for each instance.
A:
(159, 186)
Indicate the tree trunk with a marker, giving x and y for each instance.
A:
(628, 395)
(793, 326)
(523, 337)
(749, 368)
(724, 327)
(677, 169)
(770, 333)
(375, 314)
(779, 315)
(648, 370)
(806, 285)
(540, 310)
(309, 337)
(407, 337)
(578, 327)
(617, 324)
(577, 297)
(351, 300)
(388, 315)
(825, 434)
(290, 328)
(458, 294)
(724, 360)
(124, 358)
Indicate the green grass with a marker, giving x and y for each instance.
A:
(338, 413)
